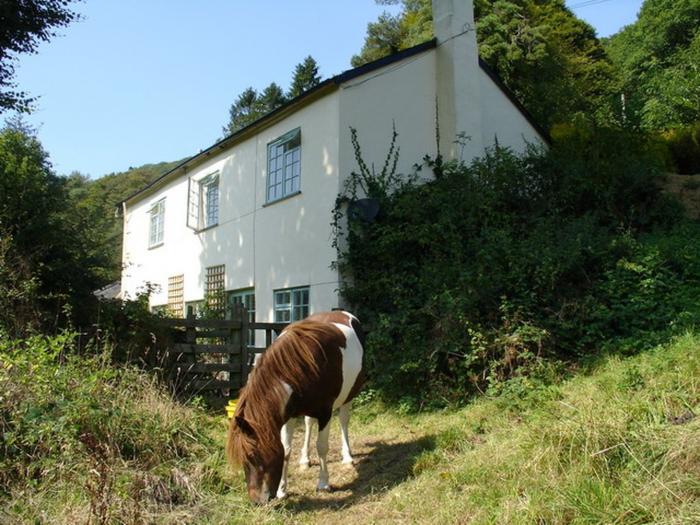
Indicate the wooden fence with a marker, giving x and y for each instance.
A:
(211, 357)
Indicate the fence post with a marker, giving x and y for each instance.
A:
(244, 346)
(190, 330)
(236, 341)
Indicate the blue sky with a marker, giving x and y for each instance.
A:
(140, 81)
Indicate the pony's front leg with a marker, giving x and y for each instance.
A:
(286, 434)
(322, 449)
(304, 456)
(344, 417)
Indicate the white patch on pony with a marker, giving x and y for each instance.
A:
(352, 362)
(351, 317)
(288, 391)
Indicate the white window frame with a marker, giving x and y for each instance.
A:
(283, 166)
(156, 224)
(200, 190)
(293, 307)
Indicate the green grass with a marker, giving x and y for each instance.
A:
(615, 443)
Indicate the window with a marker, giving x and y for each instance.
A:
(284, 166)
(176, 286)
(203, 202)
(157, 222)
(291, 304)
(247, 299)
(214, 287)
(210, 201)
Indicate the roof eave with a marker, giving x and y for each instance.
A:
(322, 89)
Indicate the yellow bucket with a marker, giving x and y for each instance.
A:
(231, 408)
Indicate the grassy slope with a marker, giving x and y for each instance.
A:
(598, 448)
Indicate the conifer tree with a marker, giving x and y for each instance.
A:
(305, 77)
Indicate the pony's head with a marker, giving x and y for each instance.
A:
(261, 456)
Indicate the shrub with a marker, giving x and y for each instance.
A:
(491, 268)
(684, 146)
(111, 435)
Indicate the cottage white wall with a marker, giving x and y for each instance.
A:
(500, 118)
(402, 93)
(281, 245)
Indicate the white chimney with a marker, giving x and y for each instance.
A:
(458, 92)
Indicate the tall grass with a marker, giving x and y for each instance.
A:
(85, 441)
(619, 445)
(617, 442)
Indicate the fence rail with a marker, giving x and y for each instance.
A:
(211, 356)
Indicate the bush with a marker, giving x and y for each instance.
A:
(106, 436)
(486, 271)
(684, 146)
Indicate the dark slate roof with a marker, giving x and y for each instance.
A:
(330, 85)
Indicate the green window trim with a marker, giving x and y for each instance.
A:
(283, 166)
(291, 304)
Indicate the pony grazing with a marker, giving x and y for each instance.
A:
(311, 369)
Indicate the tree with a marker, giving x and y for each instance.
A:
(305, 77)
(25, 24)
(390, 33)
(46, 237)
(549, 58)
(659, 62)
(250, 105)
(243, 111)
(384, 37)
(271, 98)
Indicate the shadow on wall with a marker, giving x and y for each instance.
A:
(285, 238)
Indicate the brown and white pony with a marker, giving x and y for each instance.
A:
(314, 367)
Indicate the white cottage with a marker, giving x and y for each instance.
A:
(251, 215)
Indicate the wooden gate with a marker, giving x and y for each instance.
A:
(211, 357)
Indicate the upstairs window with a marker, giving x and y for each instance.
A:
(284, 166)
(157, 223)
(203, 205)
(291, 304)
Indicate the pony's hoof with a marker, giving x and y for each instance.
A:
(282, 495)
(304, 465)
(324, 488)
(348, 461)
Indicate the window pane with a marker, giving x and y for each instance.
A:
(282, 316)
(156, 223)
(284, 165)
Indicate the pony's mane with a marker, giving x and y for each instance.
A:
(290, 359)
